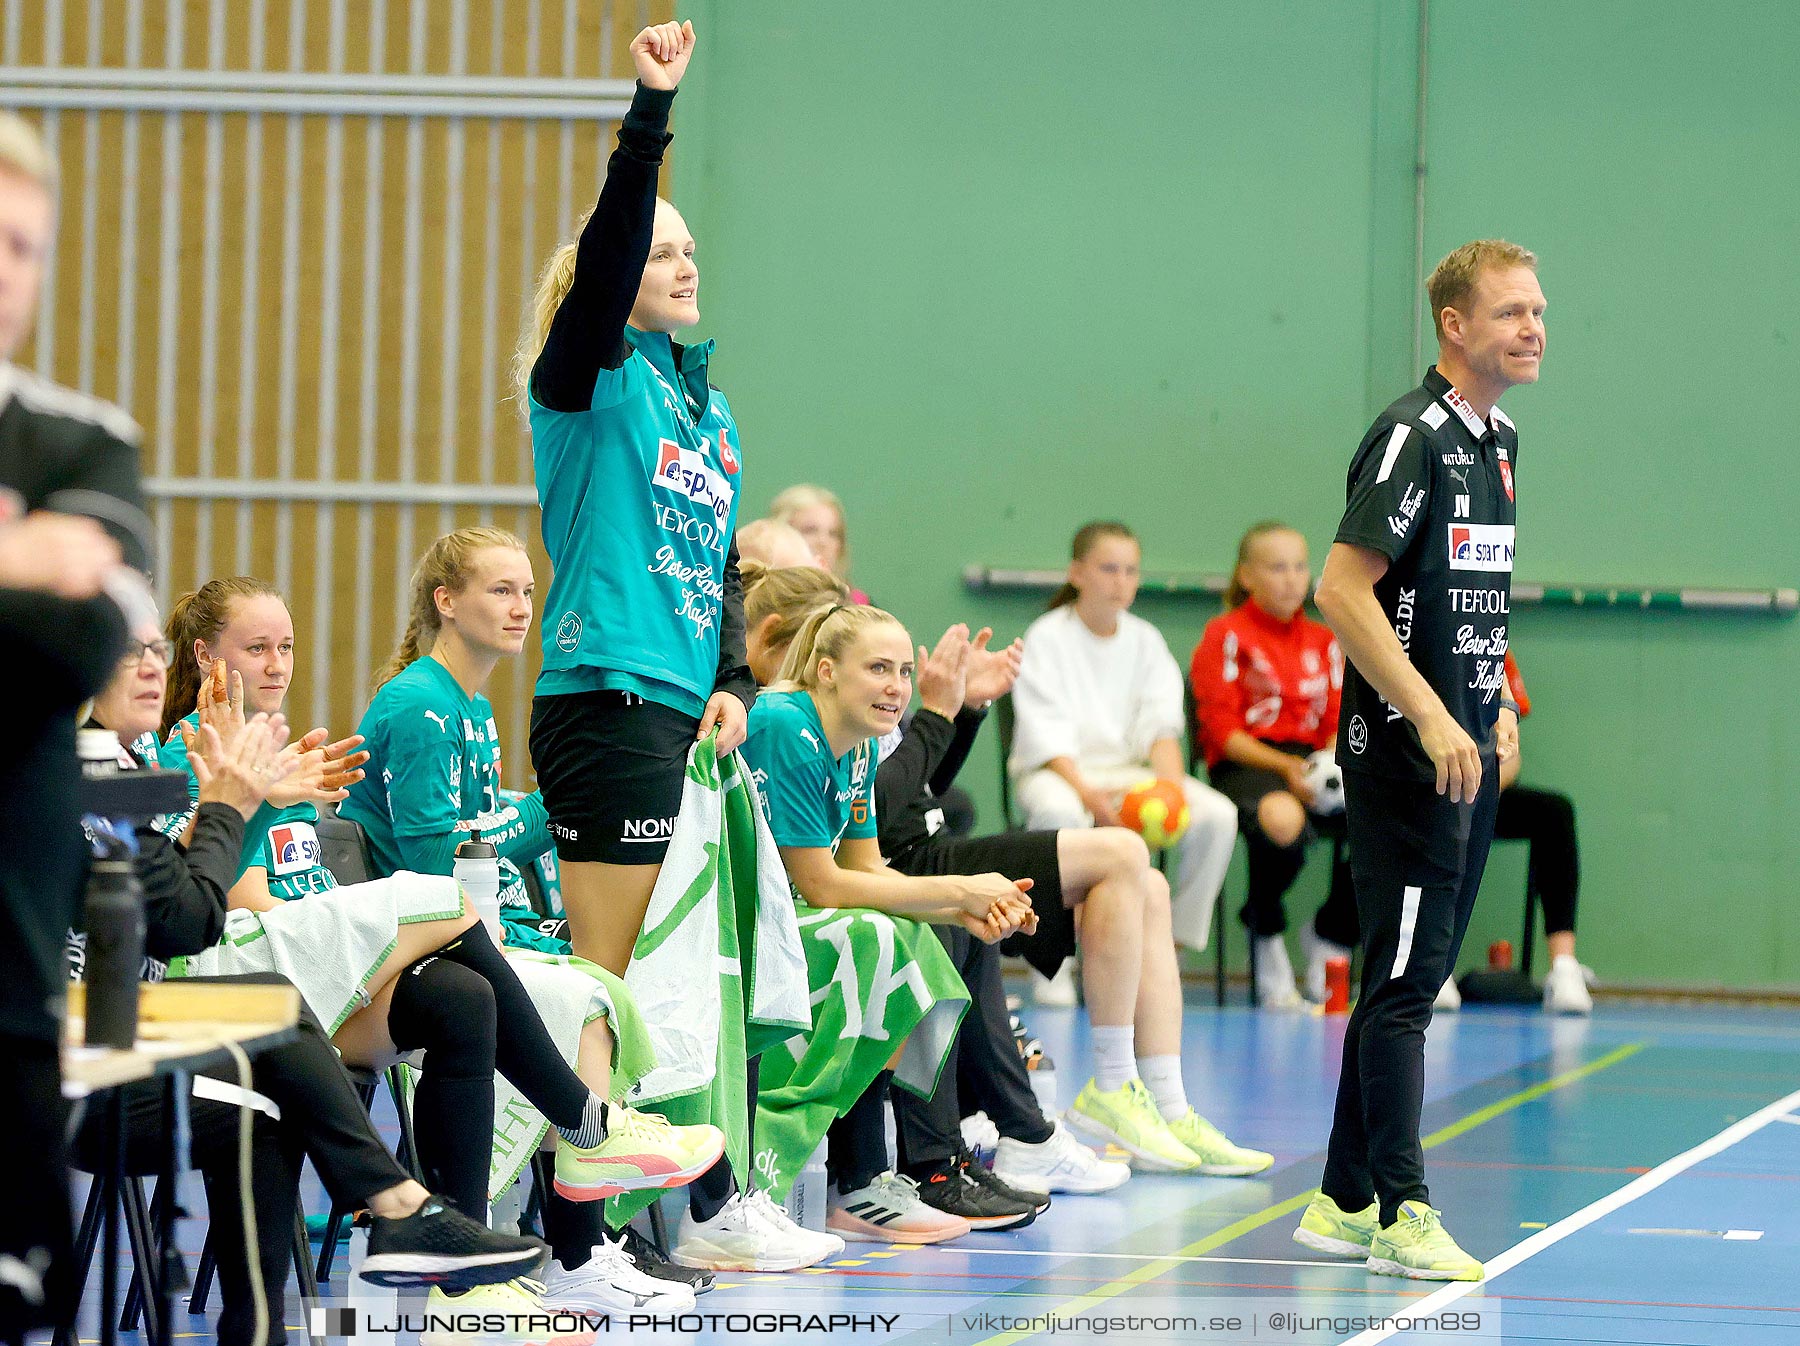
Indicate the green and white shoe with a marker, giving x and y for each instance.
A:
(1127, 1117)
(1416, 1246)
(1328, 1228)
(1218, 1157)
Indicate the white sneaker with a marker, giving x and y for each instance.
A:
(1317, 951)
(610, 1282)
(751, 1233)
(1565, 989)
(1058, 992)
(1448, 997)
(1060, 1164)
(1274, 974)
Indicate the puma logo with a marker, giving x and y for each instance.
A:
(443, 722)
(807, 734)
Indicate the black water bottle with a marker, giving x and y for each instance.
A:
(115, 951)
(114, 916)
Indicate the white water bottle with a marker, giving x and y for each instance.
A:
(806, 1201)
(477, 869)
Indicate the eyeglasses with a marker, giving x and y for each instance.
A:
(164, 650)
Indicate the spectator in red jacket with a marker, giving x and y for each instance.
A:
(1266, 681)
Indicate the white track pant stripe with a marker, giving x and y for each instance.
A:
(1409, 917)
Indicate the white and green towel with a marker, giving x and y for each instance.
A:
(718, 973)
(879, 983)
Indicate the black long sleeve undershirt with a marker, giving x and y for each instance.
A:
(588, 332)
(185, 889)
(922, 766)
(734, 674)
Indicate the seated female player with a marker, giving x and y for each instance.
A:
(846, 681)
(401, 964)
(433, 780)
(417, 1239)
(1094, 885)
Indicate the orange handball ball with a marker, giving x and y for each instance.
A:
(1157, 811)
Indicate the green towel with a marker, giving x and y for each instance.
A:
(720, 910)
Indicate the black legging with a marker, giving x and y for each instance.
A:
(984, 1073)
(1545, 820)
(1273, 868)
(321, 1119)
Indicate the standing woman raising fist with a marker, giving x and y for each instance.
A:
(637, 463)
(637, 467)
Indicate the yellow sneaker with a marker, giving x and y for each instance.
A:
(640, 1151)
(1417, 1246)
(1218, 1156)
(1328, 1228)
(1127, 1117)
(511, 1313)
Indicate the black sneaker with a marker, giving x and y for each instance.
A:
(648, 1260)
(981, 1173)
(951, 1190)
(439, 1245)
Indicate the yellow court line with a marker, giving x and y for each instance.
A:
(1150, 1270)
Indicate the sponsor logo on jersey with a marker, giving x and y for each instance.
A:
(687, 473)
(1410, 500)
(568, 633)
(293, 849)
(1461, 458)
(727, 455)
(443, 721)
(1506, 472)
(1488, 602)
(1460, 405)
(1481, 546)
(859, 812)
(683, 525)
(1359, 734)
(811, 738)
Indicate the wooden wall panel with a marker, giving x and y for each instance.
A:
(314, 301)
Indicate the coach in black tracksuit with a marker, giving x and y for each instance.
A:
(1417, 589)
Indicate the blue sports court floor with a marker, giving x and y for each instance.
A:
(1630, 1178)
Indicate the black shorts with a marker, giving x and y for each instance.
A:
(611, 767)
(1245, 786)
(1018, 855)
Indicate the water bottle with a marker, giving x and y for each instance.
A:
(477, 869)
(114, 915)
(806, 1201)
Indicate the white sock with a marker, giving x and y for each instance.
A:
(1114, 1067)
(1162, 1076)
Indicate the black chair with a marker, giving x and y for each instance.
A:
(344, 849)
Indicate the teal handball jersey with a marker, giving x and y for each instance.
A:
(811, 797)
(433, 776)
(282, 842)
(639, 495)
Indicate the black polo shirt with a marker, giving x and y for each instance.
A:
(1431, 489)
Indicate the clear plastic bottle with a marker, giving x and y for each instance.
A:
(806, 1201)
(477, 869)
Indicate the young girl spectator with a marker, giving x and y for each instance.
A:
(818, 516)
(845, 682)
(1267, 680)
(321, 1118)
(459, 1000)
(1098, 710)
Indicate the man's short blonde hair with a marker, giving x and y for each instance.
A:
(23, 152)
(1452, 282)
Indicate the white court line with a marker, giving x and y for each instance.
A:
(1792, 1119)
(1581, 1219)
(1158, 1257)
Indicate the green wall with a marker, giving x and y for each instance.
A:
(992, 272)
